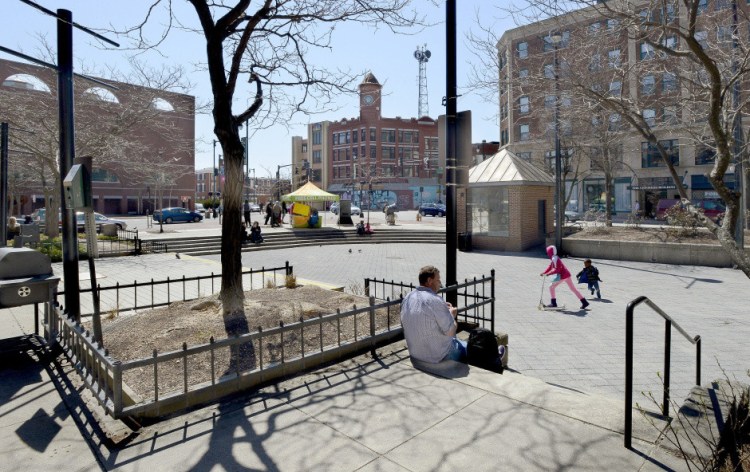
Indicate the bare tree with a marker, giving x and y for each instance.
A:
(267, 43)
(698, 53)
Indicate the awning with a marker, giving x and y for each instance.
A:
(309, 193)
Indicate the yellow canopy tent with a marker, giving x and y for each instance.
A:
(307, 193)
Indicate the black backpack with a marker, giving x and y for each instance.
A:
(482, 350)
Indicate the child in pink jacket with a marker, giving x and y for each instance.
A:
(556, 266)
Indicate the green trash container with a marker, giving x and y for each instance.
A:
(464, 241)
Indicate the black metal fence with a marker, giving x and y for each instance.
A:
(157, 293)
(476, 297)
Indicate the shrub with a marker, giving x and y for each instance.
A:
(291, 281)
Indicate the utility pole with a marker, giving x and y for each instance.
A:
(451, 149)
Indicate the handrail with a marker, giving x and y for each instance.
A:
(669, 322)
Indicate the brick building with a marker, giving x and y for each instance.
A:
(585, 45)
(371, 159)
(142, 141)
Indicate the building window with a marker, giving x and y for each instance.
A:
(595, 28)
(549, 101)
(523, 131)
(523, 105)
(549, 71)
(373, 134)
(648, 85)
(550, 46)
(612, 24)
(490, 211)
(373, 153)
(103, 175)
(316, 157)
(724, 34)
(388, 135)
(668, 13)
(615, 88)
(522, 49)
(649, 116)
(304, 147)
(316, 137)
(704, 154)
(523, 76)
(363, 135)
(388, 153)
(615, 122)
(614, 58)
(669, 82)
(650, 156)
(669, 43)
(596, 62)
(355, 136)
(647, 51)
(702, 38)
(317, 175)
(503, 137)
(669, 115)
(702, 6)
(348, 137)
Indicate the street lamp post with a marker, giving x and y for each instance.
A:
(555, 40)
(214, 171)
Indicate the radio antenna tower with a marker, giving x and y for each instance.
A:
(422, 55)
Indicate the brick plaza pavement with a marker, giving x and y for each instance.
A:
(582, 350)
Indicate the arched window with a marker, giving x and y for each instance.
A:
(103, 175)
(102, 94)
(26, 82)
(161, 104)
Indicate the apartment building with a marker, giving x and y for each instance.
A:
(546, 66)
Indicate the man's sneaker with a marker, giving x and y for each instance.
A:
(599, 295)
(592, 291)
(503, 353)
(584, 303)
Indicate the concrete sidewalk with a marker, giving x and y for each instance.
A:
(385, 415)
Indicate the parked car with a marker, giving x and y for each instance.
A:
(254, 207)
(572, 215)
(199, 208)
(713, 209)
(335, 209)
(38, 217)
(100, 219)
(175, 214)
(432, 209)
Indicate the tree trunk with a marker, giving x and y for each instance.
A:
(232, 296)
(608, 198)
(51, 216)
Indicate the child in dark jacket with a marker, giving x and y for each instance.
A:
(556, 267)
(590, 275)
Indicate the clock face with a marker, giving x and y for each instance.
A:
(368, 99)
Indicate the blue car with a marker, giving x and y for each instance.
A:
(432, 209)
(175, 214)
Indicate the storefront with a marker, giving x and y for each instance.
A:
(702, 188)
(651, 190)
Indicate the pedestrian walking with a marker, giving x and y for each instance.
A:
(590, 275)
(561, 274)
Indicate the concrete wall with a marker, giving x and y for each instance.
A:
(639, 251)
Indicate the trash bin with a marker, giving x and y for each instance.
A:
(464, 241)
(109, 229)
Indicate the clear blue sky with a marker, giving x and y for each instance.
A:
(388, 56)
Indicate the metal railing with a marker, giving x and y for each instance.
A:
(669, 322)
(123, 297)
(478, 305)
(210, 371)
(269, 354)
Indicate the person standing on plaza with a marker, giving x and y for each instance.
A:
(246, 212)
(429, 322)
(590, 276)
(276, 215)
(283, 211)
(562, 274)
(269, 212)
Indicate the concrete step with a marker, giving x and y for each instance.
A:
(212, 245)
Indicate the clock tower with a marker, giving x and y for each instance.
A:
(369, 98)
